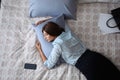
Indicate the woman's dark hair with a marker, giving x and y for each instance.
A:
(53, 29)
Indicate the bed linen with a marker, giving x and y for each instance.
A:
(42, 8)
(91, 1)
(17, 41)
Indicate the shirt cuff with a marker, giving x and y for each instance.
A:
(47, 65)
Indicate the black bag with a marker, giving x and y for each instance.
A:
(116, 16)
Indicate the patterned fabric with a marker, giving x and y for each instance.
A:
(17, 41)
(90, 1)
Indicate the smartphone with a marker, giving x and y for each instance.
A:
(30, 66)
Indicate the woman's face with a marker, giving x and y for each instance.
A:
(48, 37)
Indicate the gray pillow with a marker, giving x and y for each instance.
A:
(47, 46)
(53, 8)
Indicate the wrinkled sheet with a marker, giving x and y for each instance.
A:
(17, 41)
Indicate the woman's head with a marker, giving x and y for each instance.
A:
(51, 30)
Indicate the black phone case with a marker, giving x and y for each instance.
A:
(30, 66)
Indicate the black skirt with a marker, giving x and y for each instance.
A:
(95, 66)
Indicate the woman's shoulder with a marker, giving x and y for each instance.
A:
(58, 41)
(66, 35)
(63, 37)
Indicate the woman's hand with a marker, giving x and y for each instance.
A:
(41, 21)
(38, 45)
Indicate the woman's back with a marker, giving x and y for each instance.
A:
(71, 47)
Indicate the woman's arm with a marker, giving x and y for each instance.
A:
(41, 21)
(53, 58)
(38, 46)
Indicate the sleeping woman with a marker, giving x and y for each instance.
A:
(66, 44)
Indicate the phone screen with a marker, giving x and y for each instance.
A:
(30, 66)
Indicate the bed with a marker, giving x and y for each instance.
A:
(17, 40)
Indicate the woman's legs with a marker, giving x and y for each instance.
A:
(97, 67)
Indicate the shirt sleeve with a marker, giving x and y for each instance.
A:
(54, 56)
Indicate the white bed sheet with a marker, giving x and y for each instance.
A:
(17, 42)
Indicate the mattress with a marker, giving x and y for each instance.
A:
(17, 41)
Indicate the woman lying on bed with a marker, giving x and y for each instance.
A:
(92, 64)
